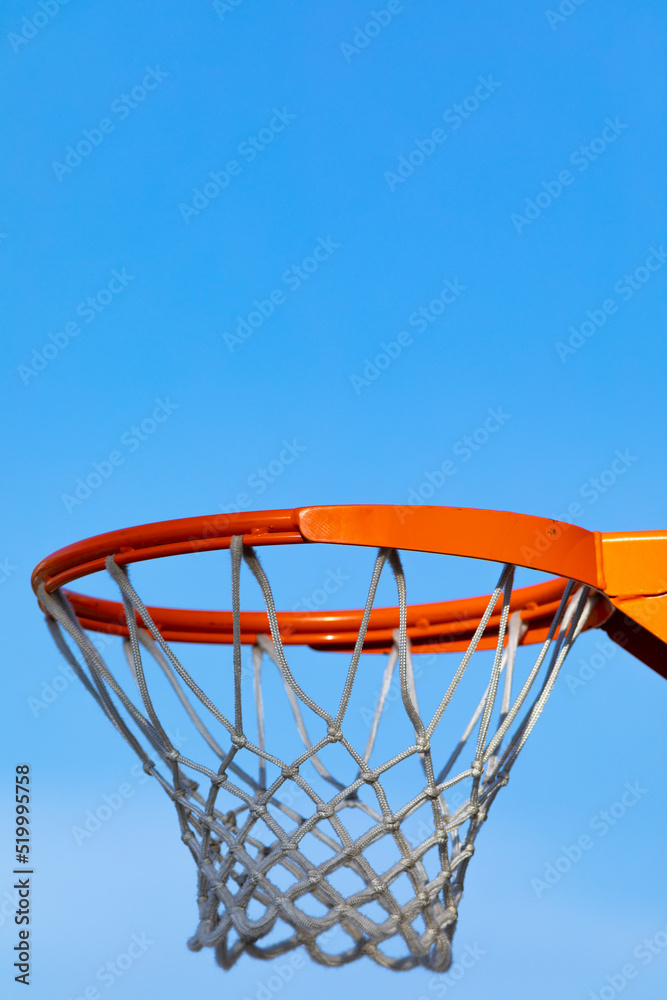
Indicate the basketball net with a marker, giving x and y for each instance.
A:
(316, 850)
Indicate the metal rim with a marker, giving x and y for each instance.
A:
(538, 543)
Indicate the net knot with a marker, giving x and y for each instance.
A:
(422, 743)
(391, 823)
(239, 740)
(326, 810)
(431, 792)
(219, 779)
(334, 733)
(290, 771)
(257, 809)
(369, 777)
(172, 755)
(476, 768)
(449, 916)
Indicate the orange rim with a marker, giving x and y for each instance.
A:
(544, 544)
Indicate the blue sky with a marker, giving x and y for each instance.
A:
(260, 256)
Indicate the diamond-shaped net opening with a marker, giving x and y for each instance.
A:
(319, 847)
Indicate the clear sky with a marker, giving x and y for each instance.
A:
(261, 255)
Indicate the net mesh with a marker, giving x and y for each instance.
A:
(288, 853)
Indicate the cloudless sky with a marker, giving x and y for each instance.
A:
(262, 255)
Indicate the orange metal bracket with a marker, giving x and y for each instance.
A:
(634, 569)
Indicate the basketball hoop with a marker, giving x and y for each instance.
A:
(317, 849)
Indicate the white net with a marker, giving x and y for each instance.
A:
(319, 848)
